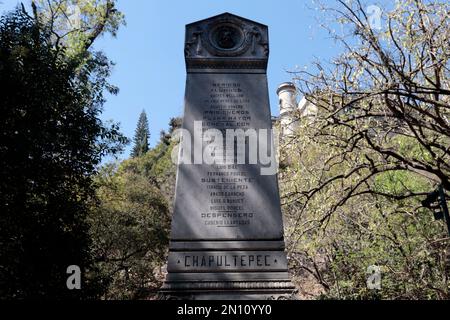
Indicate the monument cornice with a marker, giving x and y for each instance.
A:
(218, 63)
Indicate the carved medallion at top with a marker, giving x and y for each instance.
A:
(225, 36)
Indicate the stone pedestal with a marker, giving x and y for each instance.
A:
(227, 230)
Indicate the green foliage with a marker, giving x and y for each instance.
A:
(141, 136)
(130, 225)
(377, 144)
(129, 229)
(332, 242)
(52, 141)
(76, 24)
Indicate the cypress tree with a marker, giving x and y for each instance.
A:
(141, 136)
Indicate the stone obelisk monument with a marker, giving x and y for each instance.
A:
(227, 230)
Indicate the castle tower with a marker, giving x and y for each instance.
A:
(287, 95)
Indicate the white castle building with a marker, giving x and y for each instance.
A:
(290, 109)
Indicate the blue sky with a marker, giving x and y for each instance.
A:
(148, 52)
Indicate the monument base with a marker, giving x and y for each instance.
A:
(228, 290)
(227, 270)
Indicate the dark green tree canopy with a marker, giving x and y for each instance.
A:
(52, 141)
(141, 136)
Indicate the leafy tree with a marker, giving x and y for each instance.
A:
(76, 24)
(129, 228)
(392, 83)
(130, 225)
(174, 123)
(52, 141)
(355, 172)
(141, 136)
(330, 254)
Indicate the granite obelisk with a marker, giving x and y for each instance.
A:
(227, 230)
